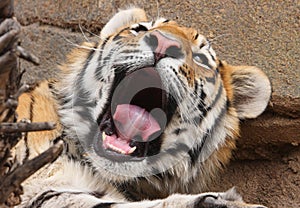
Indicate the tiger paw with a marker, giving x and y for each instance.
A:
(228, 199)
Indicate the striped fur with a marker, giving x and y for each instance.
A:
(208, 99)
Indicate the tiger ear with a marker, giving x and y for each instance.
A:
(251, 89)
(122, 19)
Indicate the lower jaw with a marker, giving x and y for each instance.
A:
(112, 155)
(143, 151)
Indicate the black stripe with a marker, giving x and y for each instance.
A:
(196, 151)
(196, 87)
(117, 36)
(103, 44)
(82, 98)
(201, 105)
(86, 64)
(38, 202)
(139, 28)
(179, 131)
(211, 79)
(31, 108)
(49, 194)
(103, 205)
(228, 104)
(213, 58)
(97, 194)
(98, 71)
(103, 62)
(220, 90)
(171, 108)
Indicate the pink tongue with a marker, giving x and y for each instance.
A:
(133, 120)
(130, 121)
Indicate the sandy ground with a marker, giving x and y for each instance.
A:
(266, 168)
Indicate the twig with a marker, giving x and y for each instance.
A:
(6, 8)
(10, 132)
(4, 3)
(24, 88)
(22, 53)
(4, 160)
(26, 127)
(10, 103)
(14, 179)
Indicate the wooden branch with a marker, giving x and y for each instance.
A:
(26, 127)
(22, 89)
(7, 60)
(6, 8)
(10, 90)
(9, 37)
(10, 104)
(22, 53)
(15, 178)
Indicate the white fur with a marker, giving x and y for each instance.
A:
(256, 92)
(122, 19)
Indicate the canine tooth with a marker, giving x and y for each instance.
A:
(103, 136)
(132, 150)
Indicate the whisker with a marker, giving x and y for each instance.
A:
(83, 33)
(218, 37)
(90, 32)
(79, 46)
(157, 9)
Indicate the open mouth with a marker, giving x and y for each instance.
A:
(135, 116)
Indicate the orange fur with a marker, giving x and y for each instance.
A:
(226, 71)
(39, 106)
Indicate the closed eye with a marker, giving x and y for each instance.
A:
(201, 60)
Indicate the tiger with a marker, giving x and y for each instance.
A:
(148, 116)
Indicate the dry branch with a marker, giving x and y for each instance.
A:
(22, 53)
(26, 127)
(15, 178)
(12, 174)
(6, 9)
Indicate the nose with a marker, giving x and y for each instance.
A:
(163, 46)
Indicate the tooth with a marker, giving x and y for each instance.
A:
(111, 146)
(103, 136)
(132, 150)
(116, 149)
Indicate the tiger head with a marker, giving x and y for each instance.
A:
(152, 97)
